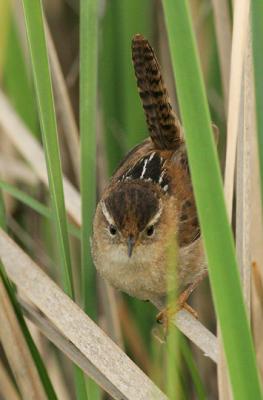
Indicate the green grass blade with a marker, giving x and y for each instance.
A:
(35, 31)
(88, 100)
(88, 103)
(173, 383)
(42, 80)
(257, 35)
(207, 184)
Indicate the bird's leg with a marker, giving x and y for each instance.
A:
(164, 317)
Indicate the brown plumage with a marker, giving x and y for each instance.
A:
(148, 206)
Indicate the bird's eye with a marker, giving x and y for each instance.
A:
(112, 230)
(150, 230)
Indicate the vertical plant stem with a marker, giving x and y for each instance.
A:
(40, 66)
(173, 364)
(64, 108)
(88, 102)
(223, 36)
(256, 222)
(234, 125)
(244, 196)
(209, 198)
(188, 357)
(239, 43)
(173, 351)
(88, 107)
(257, 34)
(42, 80)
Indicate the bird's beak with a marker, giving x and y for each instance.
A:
(130, 244)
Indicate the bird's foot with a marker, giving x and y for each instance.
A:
(165, 316)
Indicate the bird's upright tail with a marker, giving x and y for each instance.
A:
(164, 126)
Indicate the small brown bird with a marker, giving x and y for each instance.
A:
(148, 207)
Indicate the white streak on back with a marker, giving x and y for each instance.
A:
(144, 168)
(151, 156)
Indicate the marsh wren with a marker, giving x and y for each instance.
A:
(148, 206)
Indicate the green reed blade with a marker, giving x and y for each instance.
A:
(218, 240)
(36, 38)
(35, 31)
(88, 108)
(257, 35)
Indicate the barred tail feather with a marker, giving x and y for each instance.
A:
(164, 126)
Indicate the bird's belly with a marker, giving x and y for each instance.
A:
(146, 276)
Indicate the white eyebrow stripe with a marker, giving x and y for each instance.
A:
(156, 217)
(161, 177)
(106, 213)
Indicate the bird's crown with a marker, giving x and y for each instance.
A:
(132, 206)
